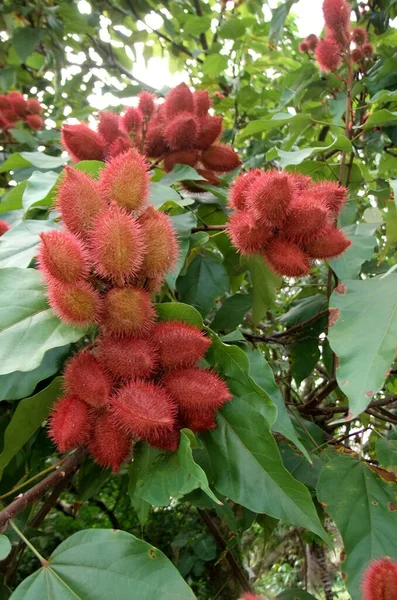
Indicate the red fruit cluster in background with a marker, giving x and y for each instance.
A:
(286, 218)
(179, 131)
(139, 380)
(4, 226)
(336, 45)
(380, 580)
(14, 108)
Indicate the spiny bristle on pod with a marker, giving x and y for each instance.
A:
(179, 99)
(109, 444)
(269, 197)
(82, 143)
(240, 188)
(108, 125)
(328, 54)
(220, 157)
(332, 194)
(194, 389)
(161, 244)
(179, 344)
(201, 102)
(125, 180)
(70, 423)
(62, 256)
(117, 245)
(248, 235)
(329, 244)
(127, 358)
(198, 421)
(120, 145)
(35, 122)
(85, 378)
(79, 201)
(209, 129)
(17, 103)
(146, 103)
(307, 214)
(75, 303)
(132, 120)
(33, 106)
(181, 133)
(287, 258)
(127, 311)
(155, 145)
(183, 157)
(380, 579)
(165, 439)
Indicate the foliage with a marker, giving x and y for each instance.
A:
(304, 456)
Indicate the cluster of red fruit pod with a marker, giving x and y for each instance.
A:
(139, 379)
(336, 45)
(287, 219)
(4, 226)
(178, 131)
(14, 108)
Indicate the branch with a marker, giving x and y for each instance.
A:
(209, 228)
(199, 12)
(68, 467)
(109, 513)
(237, 571)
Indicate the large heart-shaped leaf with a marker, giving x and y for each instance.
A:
(363, 336)
(28, 326)
(99, 564)
(363, 505)
(19, 245)
(348, 265)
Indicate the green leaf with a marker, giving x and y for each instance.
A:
(7, 78)
(295, 594)
(195, 25)
(205, 548)
(38, 189)
(28, 327)
(214, 65)
(27, 418)
(19, 244)
(12, 200)
(90, 167)
(386, 452)
(25, 40)
(91, 477)
(232, 312)
(264, 283)
(5, 547)
(384, 96)
(183, 225)
(380, 117)
(144, 456)
(159, 194)
(24, 137)
(248, 469)
(180, 173)
(170, 311)
(39, 160)
(348, 266)
(277, 121)
(278, 20)
(98, 564)
(298, 156)
(305, 472)
(234, 28)
(362, 505)
(364, 337)
(205, 280)
(17, 385)
(172, 476)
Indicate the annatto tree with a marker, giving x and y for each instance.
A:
(198, 314)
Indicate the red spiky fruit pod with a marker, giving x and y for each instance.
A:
(117, 245)
(4, 102)
(240, 187)
(210, 176)
(179, 344)
(337, 18)
(328, 54)
(287, 258)
(70, 423)
(303, 47)
(368, 50)
(4, 226)
(109, 126)
(181, 132)
(125, 180)
(203, 420)
(146, 103)
(155, 145)
(307, 215)
(201, 102)
(359, 36)
(17, 103)
(220, 157)
(109, 445)
(179, 99)
(85, 378)
(144, 409)
(10, 116)
(298, 183)
(332, 194)
(62, 256)
(4, 124)
(312, 41)
(380, 580)
(127, 358)
(160, 241)
(79, 201)
(127, 311)
(269, 197)
(330, 243)
(249, 236)
(75, 303)
(121, 145)
(194, 389)
(165, 439)
(82, 143)
(34, 106)
(209, 129)
(35, 122)
(132, 120)
(357, 55)
(183, 157)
